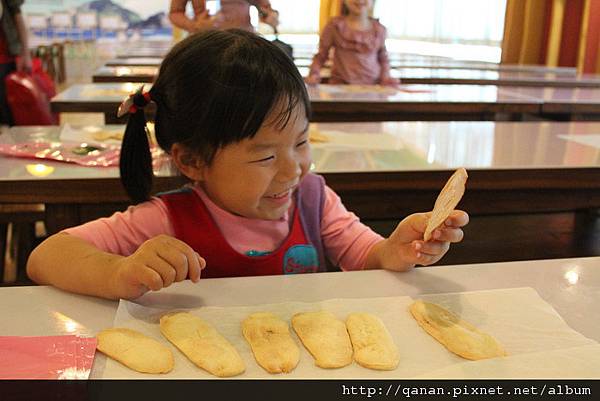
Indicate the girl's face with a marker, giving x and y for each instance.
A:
(358, 7)
(256, 177)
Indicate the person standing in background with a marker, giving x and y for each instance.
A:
(232, 14)
(13, 43)
(360, 56)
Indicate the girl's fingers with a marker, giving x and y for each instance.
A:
(150, 278)
(175, 260)
(433, 248)
(457, 218)
(194, 263)
(448, 234)
(164, 267)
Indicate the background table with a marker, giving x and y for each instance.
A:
(449, 76)
(335, 103)
(531, 192)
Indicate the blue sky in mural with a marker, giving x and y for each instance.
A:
(144, 8)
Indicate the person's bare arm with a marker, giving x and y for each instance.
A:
(322, 55)
(24, 63)
(267, 14)
(202, 20)
(70, 263)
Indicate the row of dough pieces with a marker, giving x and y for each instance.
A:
(331, 342)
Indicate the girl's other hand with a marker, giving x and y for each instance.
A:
(205, 22)
(157, 263)
(272, 19)
(389, 81)
(405, 248)
(312, 80)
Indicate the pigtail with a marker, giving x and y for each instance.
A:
(135, 163)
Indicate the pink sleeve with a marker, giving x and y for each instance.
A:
(347, 241)
(325, 43)
(123, 232)
(382, 55)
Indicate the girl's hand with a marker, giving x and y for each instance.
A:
(312, 80)
(389, 81)
(405, 248)
(205, 22)
(272, 18)
(157, 263)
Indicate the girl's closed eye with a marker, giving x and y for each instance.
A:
(304, 142)
(266, 159)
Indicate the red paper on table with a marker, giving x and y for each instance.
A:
(47, 357)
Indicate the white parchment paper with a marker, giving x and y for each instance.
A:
(529, 329)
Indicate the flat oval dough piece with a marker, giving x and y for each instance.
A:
(271, 342)
(202, 344)
(446, 201)
(316, 136)
(372, 342)
(135, 350)
(325, 337)
(105, 135)
(455, 334)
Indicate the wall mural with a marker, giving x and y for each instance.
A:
(91, 19)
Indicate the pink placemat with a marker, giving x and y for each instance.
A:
(47, 357)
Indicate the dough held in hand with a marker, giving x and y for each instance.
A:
(455, 334)
(325, 337)
(372, 342)
(446, 201)
(135, 350)
(271, 342)
(202, 344)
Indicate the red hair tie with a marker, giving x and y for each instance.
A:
(134, 102)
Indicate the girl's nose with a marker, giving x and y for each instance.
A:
(289, 169)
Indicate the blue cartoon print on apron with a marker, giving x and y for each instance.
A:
(300, 259)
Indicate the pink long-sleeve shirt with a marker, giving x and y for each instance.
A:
(359, 57)
(346, 240)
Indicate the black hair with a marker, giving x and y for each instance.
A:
(213, 89)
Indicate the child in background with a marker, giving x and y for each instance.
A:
(232, 111)
(231, 14)
(359, 56)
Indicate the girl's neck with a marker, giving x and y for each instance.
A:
(359, 22)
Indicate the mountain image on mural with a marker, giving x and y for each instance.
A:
(131, 18)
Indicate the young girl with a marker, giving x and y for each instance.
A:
(359, 55)
(232, 111)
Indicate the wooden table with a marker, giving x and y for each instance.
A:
(98, 97)
(565, 104)
(449, 64)
(423, 76)
(569, 286)
(338, 103)
(385, 171)
(135, 62)
(436, 76)
(125, 74)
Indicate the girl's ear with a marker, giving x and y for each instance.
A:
(187, 162)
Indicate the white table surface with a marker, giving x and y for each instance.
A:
(570, 286)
